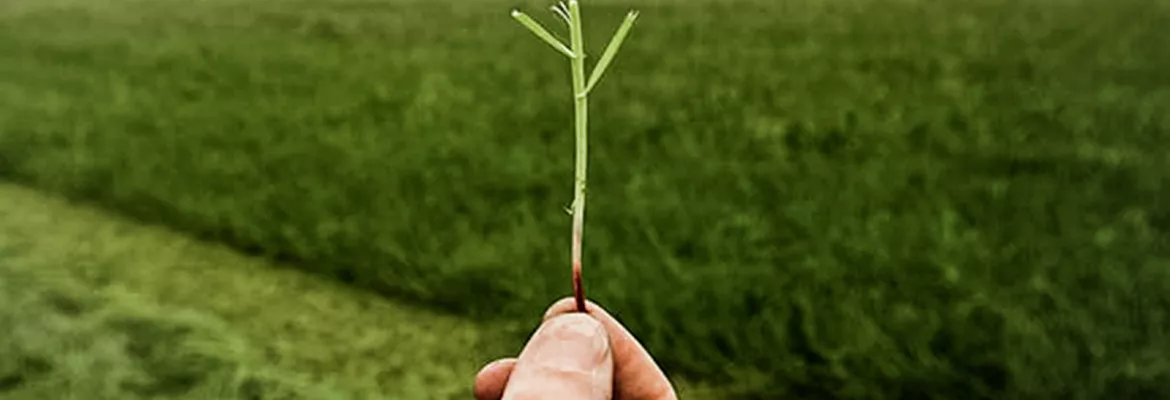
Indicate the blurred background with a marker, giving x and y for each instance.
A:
(824, 199)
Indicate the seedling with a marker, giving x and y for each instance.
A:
(571, 15)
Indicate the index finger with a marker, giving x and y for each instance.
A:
(636, 375)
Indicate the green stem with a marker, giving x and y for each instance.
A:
(581, 114)
(581, 88)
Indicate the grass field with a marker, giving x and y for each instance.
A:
(116, 310)
(96, 307)
(828, 199)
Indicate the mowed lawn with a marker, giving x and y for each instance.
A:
(802, 198)
(96, 307)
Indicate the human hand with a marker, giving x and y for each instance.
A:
(576, 356)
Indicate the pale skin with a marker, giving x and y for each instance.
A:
(576, 356)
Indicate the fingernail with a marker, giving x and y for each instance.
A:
(575, 342)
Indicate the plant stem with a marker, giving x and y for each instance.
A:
(581, 88)
(581, 114)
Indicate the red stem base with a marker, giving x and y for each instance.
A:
(578, 288)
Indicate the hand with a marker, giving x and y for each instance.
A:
(576, 356)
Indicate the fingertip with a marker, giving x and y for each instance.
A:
(493, 378)
(569, 305)
(636, 373)
(559, 307)
(568, 357)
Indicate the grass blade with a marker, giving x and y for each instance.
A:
(542, 33)
(611, 50)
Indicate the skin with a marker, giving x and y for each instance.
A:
(576, 356)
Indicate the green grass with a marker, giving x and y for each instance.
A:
(851, 198)
(96, 307)
(109, 307)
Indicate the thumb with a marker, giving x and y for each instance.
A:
(568, 358)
